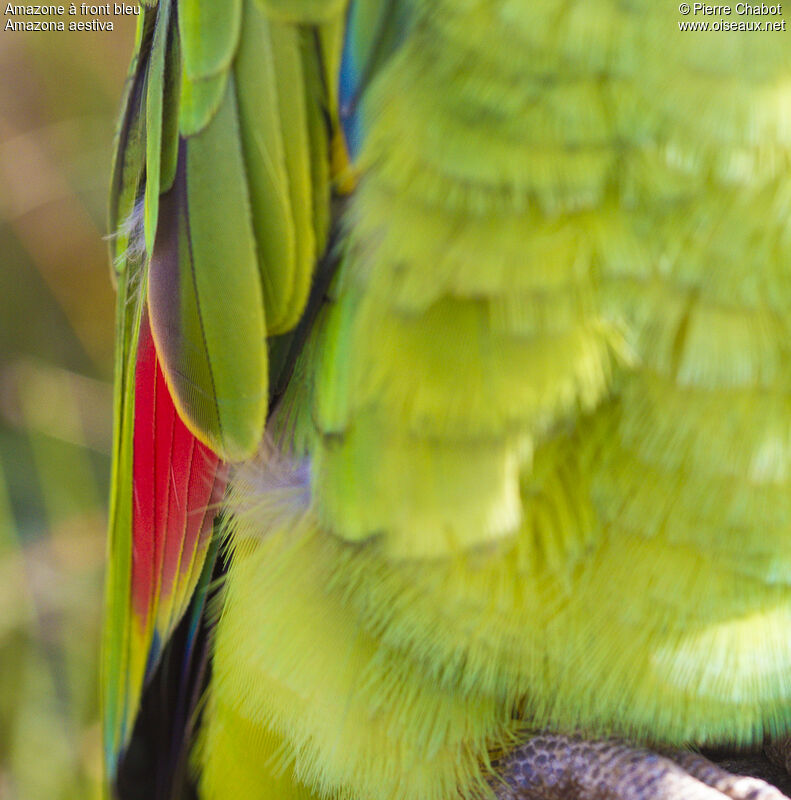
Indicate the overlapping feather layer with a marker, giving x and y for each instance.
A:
(541, 436)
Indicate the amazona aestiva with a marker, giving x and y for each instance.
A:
(453, 404)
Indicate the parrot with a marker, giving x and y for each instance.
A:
(452, 439)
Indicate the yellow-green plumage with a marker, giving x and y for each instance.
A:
(539, 445)
(533, 466)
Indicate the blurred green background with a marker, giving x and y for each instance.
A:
(59, 96)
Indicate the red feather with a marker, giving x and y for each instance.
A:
(178, 482)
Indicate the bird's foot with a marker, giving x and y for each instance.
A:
(554, 767)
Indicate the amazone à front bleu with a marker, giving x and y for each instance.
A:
(453, 402)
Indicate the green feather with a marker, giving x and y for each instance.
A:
(311, 12)
(154, 96)
(263, 136)
(170, 111)
(207, 318)
(199, 101)
(209, 35)
(125, 194)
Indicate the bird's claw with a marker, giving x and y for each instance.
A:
(555, 767)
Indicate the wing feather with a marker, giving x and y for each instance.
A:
(220, 202)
